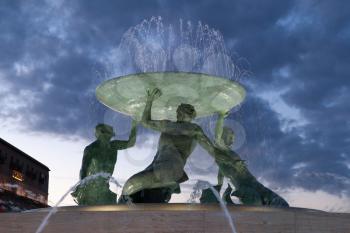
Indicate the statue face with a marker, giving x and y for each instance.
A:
(185, 112)
(182, 116)
(104, 132)
(228, 136)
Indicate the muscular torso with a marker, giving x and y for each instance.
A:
(175, 146)
(100, 158)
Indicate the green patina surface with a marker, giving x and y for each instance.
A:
(208, 94)
(167, 102)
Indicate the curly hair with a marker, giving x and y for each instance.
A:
(106, 127)
(188, 109)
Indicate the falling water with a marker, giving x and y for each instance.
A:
(183, 46)
(154, 46)
(82, 182)
(201, 185)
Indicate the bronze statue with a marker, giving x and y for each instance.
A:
(179, 136)
(177, 141)
(101, 157)
(248, 189)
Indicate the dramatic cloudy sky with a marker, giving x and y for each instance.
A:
(295, 122)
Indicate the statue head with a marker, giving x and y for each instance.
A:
(185, 112)
(104, 132)
(228, 136)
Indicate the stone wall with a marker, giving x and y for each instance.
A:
(176, 218)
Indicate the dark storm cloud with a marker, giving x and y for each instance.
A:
(319, 88)
(290, 159)
(51, 53)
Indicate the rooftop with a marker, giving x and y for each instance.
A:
(2, 141)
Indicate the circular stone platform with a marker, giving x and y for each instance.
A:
(176, 218)
(208, 94)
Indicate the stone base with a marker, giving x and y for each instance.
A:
(176, 218)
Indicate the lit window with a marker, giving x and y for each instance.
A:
(17, 175)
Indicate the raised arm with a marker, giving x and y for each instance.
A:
(120, 145)
(205, 142)
(146, 116)
(219, 128)
(162, 125)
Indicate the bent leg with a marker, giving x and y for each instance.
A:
(249, 189)
(144, 180)
(137, 182)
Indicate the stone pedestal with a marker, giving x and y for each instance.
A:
(163, 218)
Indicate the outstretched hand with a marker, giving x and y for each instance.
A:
(153, 94)
(223, 114)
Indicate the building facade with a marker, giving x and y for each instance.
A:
(22, 178)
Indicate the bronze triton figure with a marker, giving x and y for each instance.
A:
(101, 156)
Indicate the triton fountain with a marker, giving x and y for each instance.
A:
(167, 75)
